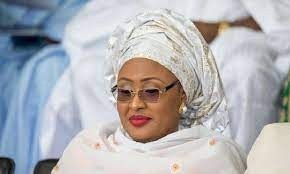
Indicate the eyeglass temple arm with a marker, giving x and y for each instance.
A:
(171, 85)
(114, 88)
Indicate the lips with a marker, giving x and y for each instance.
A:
(139, 120)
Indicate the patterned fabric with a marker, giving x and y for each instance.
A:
(285, 109)
(105, 149)
(174, 42)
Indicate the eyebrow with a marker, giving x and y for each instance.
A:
(142, 80)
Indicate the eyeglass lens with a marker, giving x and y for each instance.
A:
(149, 95)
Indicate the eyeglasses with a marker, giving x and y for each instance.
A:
(151, 95)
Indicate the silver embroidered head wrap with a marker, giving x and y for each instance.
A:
(174, 42)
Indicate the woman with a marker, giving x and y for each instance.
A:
(170, 101)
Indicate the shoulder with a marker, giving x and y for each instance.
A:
(276, 129)
(270, 149)
(273, 136)
(218, 144)
(231, 154)
(84, 147)
(101, 130)
(225, 145)
(89, 137)
(222, 142)
(221, 152)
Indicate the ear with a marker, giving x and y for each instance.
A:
(183, 95)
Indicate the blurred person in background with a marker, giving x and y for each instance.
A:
(31, 63)
(250, 42)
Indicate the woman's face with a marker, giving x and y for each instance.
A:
(143, 120)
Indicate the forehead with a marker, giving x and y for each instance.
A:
(140, 68)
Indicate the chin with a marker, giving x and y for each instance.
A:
(141, 136)
(143, 140)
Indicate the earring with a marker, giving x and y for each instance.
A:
(182, 108)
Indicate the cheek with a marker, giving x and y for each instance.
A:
(122, 109)
(167, 112)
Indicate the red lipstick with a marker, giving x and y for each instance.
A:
(139, 120)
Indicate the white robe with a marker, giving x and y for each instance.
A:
(270, 153)
(105, 149)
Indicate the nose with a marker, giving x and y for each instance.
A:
(136, 103)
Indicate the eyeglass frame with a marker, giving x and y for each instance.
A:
(133, 93)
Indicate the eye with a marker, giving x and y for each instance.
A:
(151, 92)
(124, 92)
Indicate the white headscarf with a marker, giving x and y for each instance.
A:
(174, 42)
